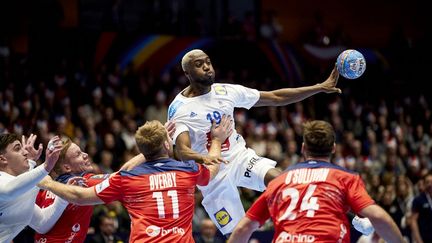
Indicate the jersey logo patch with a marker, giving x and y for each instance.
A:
(101, 176)
(101, 186)
(220, 90)
(223, 217)
(193, 114)
(153, 230)
(173, 108)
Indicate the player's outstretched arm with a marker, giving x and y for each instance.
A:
(45, 218)
(383, 223)
(74, 194)
(130, 164)
(243, 230)
(26, 181)
(287, 96)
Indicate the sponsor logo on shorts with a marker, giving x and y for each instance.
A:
(249, 167)
(220, 90)
(154, 231)
(287, 237)
(223, 217)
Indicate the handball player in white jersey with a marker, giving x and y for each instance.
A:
(193, 110)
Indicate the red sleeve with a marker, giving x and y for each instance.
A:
(110, 189)
(40, 198)
(358, 197)
(259, 210)
(92, 179)
(203, 176)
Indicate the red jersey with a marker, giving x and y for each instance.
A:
(309, 202)
(72, 226)
(159, 196)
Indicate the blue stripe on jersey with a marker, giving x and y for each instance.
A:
(173, 108)
(161, 165)
(63, 178)
(318, 164)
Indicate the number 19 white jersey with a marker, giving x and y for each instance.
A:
(196, 113)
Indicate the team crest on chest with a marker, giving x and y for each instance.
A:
(220, 90)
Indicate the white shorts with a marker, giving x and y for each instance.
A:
(221, 196)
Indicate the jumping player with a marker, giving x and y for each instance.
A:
(202, 101)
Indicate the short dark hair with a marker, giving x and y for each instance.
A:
(319, 138)
(6, 139)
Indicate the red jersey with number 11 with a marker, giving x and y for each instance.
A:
(159, 196)
(309, 202)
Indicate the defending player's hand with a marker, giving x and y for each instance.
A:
(223, 130)
(329, 86)
(28, 145)
(170, 127)
(77, 181)
(52, 155)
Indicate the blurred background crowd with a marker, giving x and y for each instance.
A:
(96, 70)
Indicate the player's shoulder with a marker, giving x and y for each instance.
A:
(312, 164)
(175, 105)
(160, 166)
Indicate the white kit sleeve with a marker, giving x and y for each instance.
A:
(45, 218)
(22, 183)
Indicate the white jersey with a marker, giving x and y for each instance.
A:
(196, 113)
(17, 204)
(245, 168)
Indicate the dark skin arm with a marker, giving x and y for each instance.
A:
(183, 150)
(287, 96)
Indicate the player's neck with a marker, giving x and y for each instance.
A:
(158, 157)
(325, 159)
(196, 90)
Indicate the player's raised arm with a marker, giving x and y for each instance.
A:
(287, 96)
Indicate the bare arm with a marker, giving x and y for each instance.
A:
(74, 194)
(130, 164)
(219, 134)
(287, 96)
(383, 223)
(243, 230)
(414, 228)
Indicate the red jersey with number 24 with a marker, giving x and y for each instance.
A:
(309, 202)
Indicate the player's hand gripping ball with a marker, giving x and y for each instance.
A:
(351, 64)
